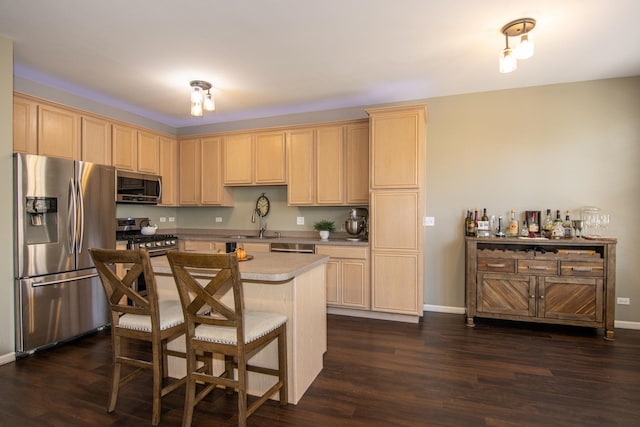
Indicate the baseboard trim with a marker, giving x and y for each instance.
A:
(373, 315)
(444, 309)
(622, 324)
(7, 358)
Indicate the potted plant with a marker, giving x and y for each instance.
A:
(324, 227)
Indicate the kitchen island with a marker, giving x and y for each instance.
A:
(291, 284)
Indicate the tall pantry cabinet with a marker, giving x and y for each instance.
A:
(397, 162)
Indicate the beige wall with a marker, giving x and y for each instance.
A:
(7, 337)
(559, 147)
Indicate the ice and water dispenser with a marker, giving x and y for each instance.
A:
(42, 220)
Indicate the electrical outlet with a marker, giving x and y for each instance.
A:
(300, 220)
(218, 219)
(429, 221)
(163, 219)
(624, 301)
(172, 219)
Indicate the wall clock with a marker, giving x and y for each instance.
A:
(263, 205)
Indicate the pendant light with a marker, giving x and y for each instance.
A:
(524, 50)
(199, 100)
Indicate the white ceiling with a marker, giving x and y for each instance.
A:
(275, 57)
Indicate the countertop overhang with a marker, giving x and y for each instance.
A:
(264, 267)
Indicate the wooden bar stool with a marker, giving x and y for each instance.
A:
(202, 280)
(138, 317)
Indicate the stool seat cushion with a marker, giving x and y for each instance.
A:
(256, 324)
(170, 312)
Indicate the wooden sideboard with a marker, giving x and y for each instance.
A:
(567, 281)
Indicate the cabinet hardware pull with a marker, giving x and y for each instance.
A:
(541, 296)
(532, 296)
(537, 267)
(583, 269)
(496, 265)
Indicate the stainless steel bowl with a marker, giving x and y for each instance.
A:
(354, 226)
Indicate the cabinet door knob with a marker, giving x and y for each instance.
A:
(541, 296)
(532, 296)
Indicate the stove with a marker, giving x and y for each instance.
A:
(128, 230)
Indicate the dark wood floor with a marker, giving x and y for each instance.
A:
(377, 373)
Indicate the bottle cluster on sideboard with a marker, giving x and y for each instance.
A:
(536, 224)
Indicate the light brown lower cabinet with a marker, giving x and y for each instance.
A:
(569, 282)
(201, 245)
(348, 283)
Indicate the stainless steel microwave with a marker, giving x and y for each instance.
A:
(139, 188)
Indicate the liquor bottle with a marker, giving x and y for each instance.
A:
(470, 230)
(557, 232)
(533, 226)
(567, 225)
(500, 230)
(476, 218)
(524, 230)
(512, 231)
(483, 228)
(547, 225)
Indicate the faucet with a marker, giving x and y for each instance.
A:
(262, 228)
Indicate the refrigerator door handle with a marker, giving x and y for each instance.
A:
(71, 218)
(69, 279)
(80, 219)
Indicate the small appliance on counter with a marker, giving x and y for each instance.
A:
(132, 231)
(357, 224)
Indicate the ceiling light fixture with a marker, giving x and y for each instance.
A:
(199, 100)
(518, 28)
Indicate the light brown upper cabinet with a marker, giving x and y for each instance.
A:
(301, 167)
(357, 164)
(25, 125)
(201, 173)
(148, 153)
(58, 132)
(328, 165)
(169, 171)
(125, 147)
(213, 191)
(255, 159)
(96, 140)
(396, 139)
(189, 172)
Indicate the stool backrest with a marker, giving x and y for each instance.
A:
(202, 281)
(121, 289)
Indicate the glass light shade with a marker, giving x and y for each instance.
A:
(196, 95)
(525, 49)
(209, 103)
(508, 61)
(196, 102)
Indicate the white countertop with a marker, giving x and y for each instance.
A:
(264, 267)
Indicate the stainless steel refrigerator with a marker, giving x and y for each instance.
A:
(63, 208)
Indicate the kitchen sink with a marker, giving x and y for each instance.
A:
(242, 236)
